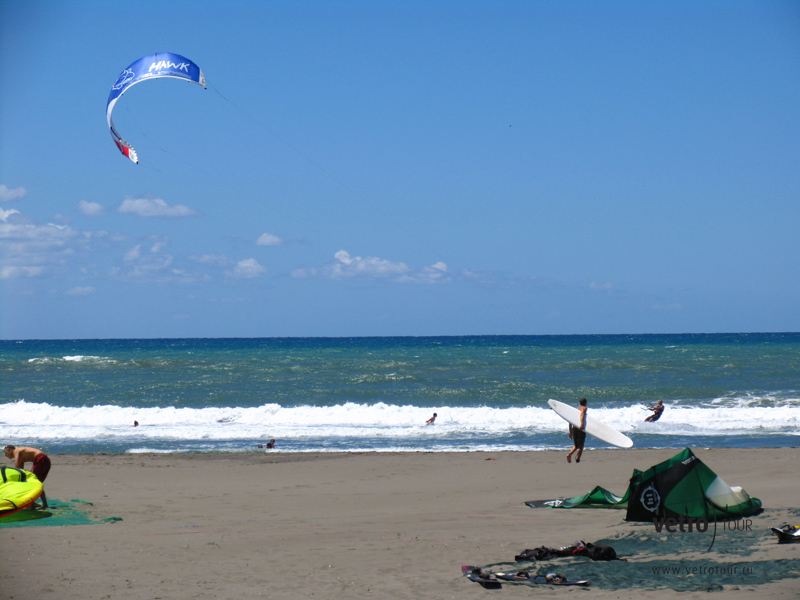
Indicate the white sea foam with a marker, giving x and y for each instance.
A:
(24, 420)
(77, 358)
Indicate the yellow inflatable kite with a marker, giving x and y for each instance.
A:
(18, 489)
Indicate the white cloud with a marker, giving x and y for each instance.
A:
(268, 239)
(345, 266)
(184, 277)
(81, 291)
(28, 250)
(4, 214)
(134, 253)
(10, 272)
(91, 209)
(147, 206)
(247, 269)
(145, 262)
(210, 259)
(436, 273)
(6, 194)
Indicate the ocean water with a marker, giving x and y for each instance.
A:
(375, 394)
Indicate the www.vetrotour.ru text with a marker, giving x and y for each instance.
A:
(702, 570)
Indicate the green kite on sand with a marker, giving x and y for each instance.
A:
(681, 486)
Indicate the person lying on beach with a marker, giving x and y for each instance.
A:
(578, 434)
(431, 420)
(268, 445)
(40, 460)
(657, 410)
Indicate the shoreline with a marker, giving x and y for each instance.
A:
(280, 451)
(366, 524)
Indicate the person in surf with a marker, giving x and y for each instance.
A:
(657, 410)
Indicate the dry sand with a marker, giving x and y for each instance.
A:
(329, 526)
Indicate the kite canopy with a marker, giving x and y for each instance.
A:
(164, 64)
(685, 485)
(18, 490)
(599, 497)
(681, 486)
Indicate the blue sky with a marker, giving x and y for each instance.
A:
(401, 168)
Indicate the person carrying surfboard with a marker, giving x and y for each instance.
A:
(578, 434)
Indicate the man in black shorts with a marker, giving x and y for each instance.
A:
(578, 434)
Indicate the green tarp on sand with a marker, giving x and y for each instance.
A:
(57, 514)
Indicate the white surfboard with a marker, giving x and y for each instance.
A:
(593, 427)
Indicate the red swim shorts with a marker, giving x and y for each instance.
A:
(41, 466)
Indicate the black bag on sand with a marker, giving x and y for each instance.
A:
(542, 553)
(600, 552)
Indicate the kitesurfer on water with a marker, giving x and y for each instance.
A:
(657, 410)
(40, 460)
(578, 434)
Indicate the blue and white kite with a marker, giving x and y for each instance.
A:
(162, 64)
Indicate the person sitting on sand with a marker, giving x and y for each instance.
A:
(657, 410)
(578, 434)
(431, 420)
(270, 444)
(40, 460)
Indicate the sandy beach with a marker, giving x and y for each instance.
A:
(274, 525)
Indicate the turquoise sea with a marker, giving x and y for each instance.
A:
(375, 394)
